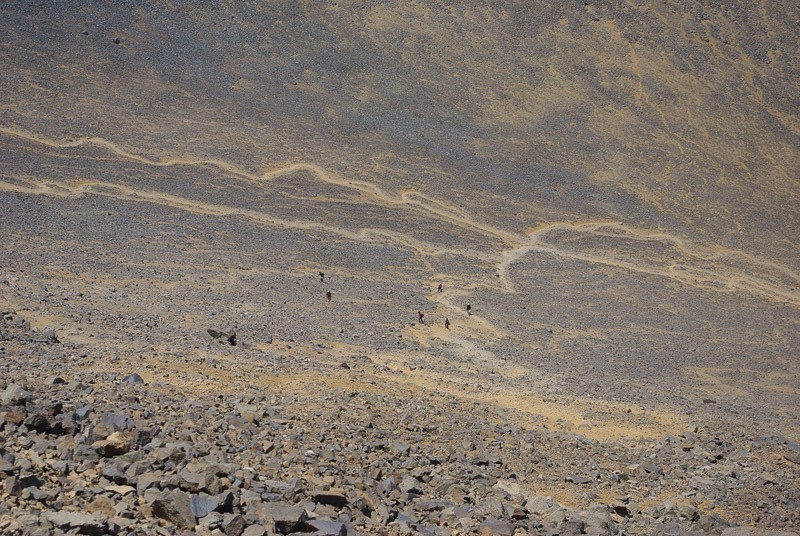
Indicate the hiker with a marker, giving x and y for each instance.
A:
(322, 277)
(469, 310)
(439, 288)
(421, 317)
(328, 295)
(446, 323)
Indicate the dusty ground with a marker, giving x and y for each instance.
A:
(612, 188)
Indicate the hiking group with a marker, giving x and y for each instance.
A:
(420, 314)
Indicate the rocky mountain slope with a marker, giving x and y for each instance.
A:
(610, 187)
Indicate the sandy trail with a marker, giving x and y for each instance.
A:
(740, 275)
(735, 280)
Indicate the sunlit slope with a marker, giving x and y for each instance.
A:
(677, 116)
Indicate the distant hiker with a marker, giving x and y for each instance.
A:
(439, 288)
(469, 310)
(446, 323)
(421, 317)
(322, 277)
(328, 296)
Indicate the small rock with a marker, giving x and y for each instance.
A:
(175, 507)
(688, 512)
(512, 488)
(255, 530)
(113, 445)
(13, 417)
(223, 335)
(573, 527)
(202, 505)
(117, 423)
(103, 505)
(332, 497)
(212, 521)
(287, 518)
(146, 481)
(122, 490)
(85, 523)
(328, 528)
(651, 468)
(409, 484)
(578, 479)
(14, 395)
(518, 514)
(496, 527)
(30, 480)
(133, 379)
(47, 335)
(233, 525)
(793, 456)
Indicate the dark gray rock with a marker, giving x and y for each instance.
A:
(229, 337)
(233, 525)
(133, 379)
(37, 422)
(286, 518)
(85, 453)
(143, 435)
(84, 523)
(332, 497)
(324, 527)
(117, 423)
(572, 527)
(575, 479)
(496, 527)
(484, 459)
(175, 507)
(202, 505)
(30, 480)
(115, 473)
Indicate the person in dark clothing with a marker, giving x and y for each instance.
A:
(439, 288)
(446, 323)
(421, 317)
(322, 277)
(328, 296)
(469, 310)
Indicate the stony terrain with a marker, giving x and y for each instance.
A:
(101, 452)
(219, 227)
